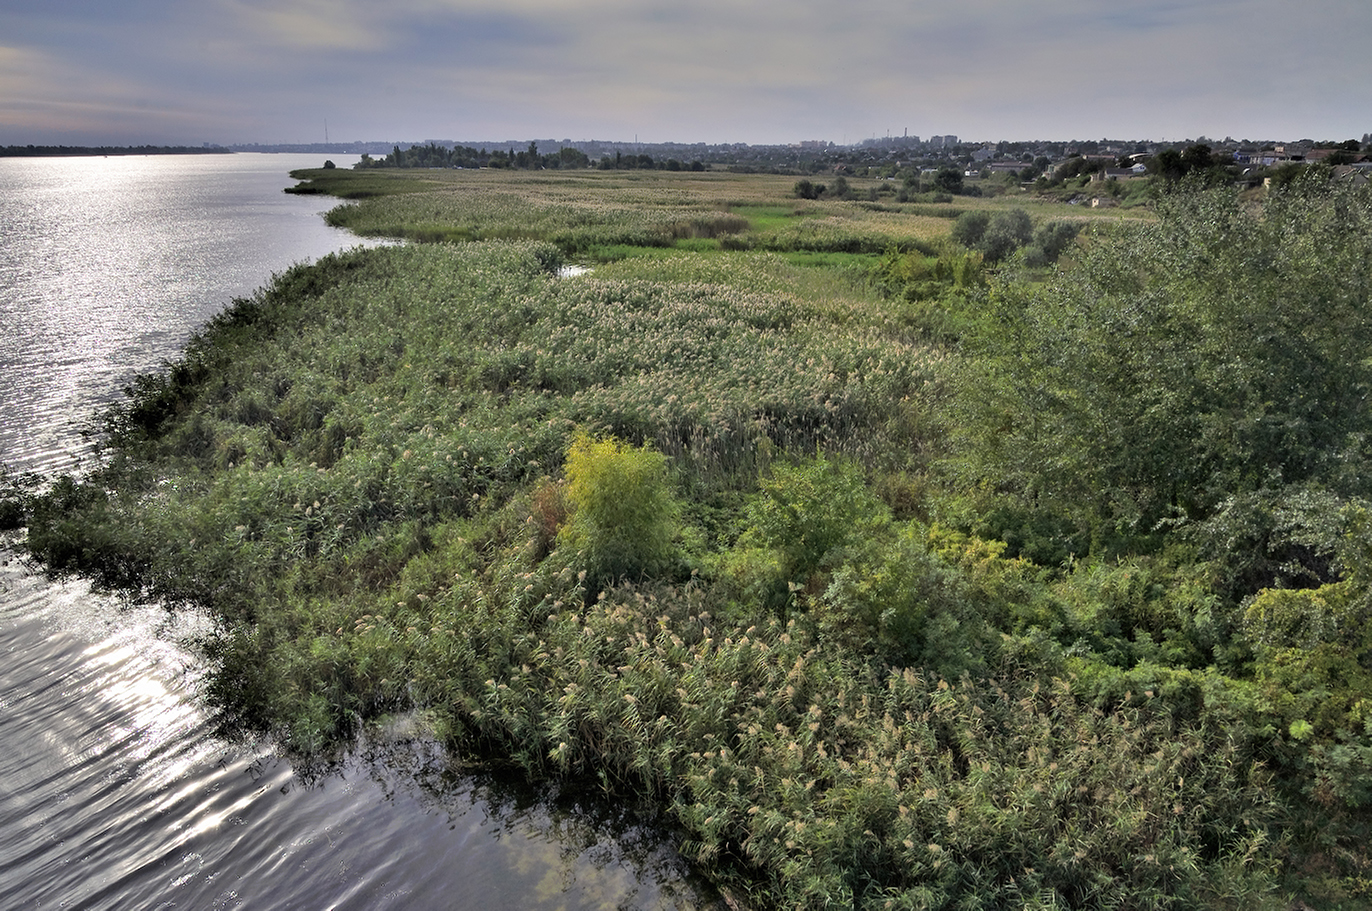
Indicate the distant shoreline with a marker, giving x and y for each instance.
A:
(33, 151)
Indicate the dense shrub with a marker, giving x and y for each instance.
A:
(1005, 233)
(623, 517)
(970, 227)
(1050, 242)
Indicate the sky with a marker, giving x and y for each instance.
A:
(130, 72)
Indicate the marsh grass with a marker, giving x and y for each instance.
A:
(668, 529)
(370, 514)
(354, 185)
(596, 214)
(591, 211)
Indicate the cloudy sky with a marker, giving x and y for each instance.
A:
(228, 71)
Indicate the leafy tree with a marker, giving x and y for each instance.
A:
(949, 180)
(807, 519)
(970, 227)
(814, 513)
(1197, 158)
(569, 157)
(995, 236)
(1050, 242)
(1168, 164)
(1194, 373)
(1005, 233)
(1283, 175)
(1077, 167)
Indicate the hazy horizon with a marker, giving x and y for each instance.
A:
(337, 146)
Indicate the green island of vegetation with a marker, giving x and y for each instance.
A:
(905, 550)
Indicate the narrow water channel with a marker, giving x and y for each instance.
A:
(115, 793)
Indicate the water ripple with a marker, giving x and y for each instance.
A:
(115, 792)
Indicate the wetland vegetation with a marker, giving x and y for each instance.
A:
(900, 569)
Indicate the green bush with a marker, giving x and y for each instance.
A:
(808, 518)
(814, 513)
(16, 494)
(1050, 242)
(623, 516)
(1005, 233)
(903, 604)
(970, 226)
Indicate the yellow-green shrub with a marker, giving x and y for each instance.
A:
(623, 516)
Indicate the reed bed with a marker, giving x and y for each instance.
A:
(670, 529)
(590, 210)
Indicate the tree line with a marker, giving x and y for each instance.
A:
(35, 151)
(433, 155)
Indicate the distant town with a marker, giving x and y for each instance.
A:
(890, 156)
(894, 152)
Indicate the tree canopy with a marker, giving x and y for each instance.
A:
(1215, 358)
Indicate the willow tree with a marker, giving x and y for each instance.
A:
(1209, 371)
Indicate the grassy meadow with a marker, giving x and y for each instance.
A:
(595, 215)
(895, 575)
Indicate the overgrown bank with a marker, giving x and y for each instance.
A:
(703, 526)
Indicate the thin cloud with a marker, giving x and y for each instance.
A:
(312, 25)
(714, 70)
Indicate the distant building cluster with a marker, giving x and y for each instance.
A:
(1100, 160)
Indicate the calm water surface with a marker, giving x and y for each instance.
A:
(114, 791)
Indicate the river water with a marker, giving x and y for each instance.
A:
(114, 791)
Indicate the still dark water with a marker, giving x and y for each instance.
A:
(114, 791)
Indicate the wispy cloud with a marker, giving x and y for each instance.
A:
(711, 69)
(311, 25)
